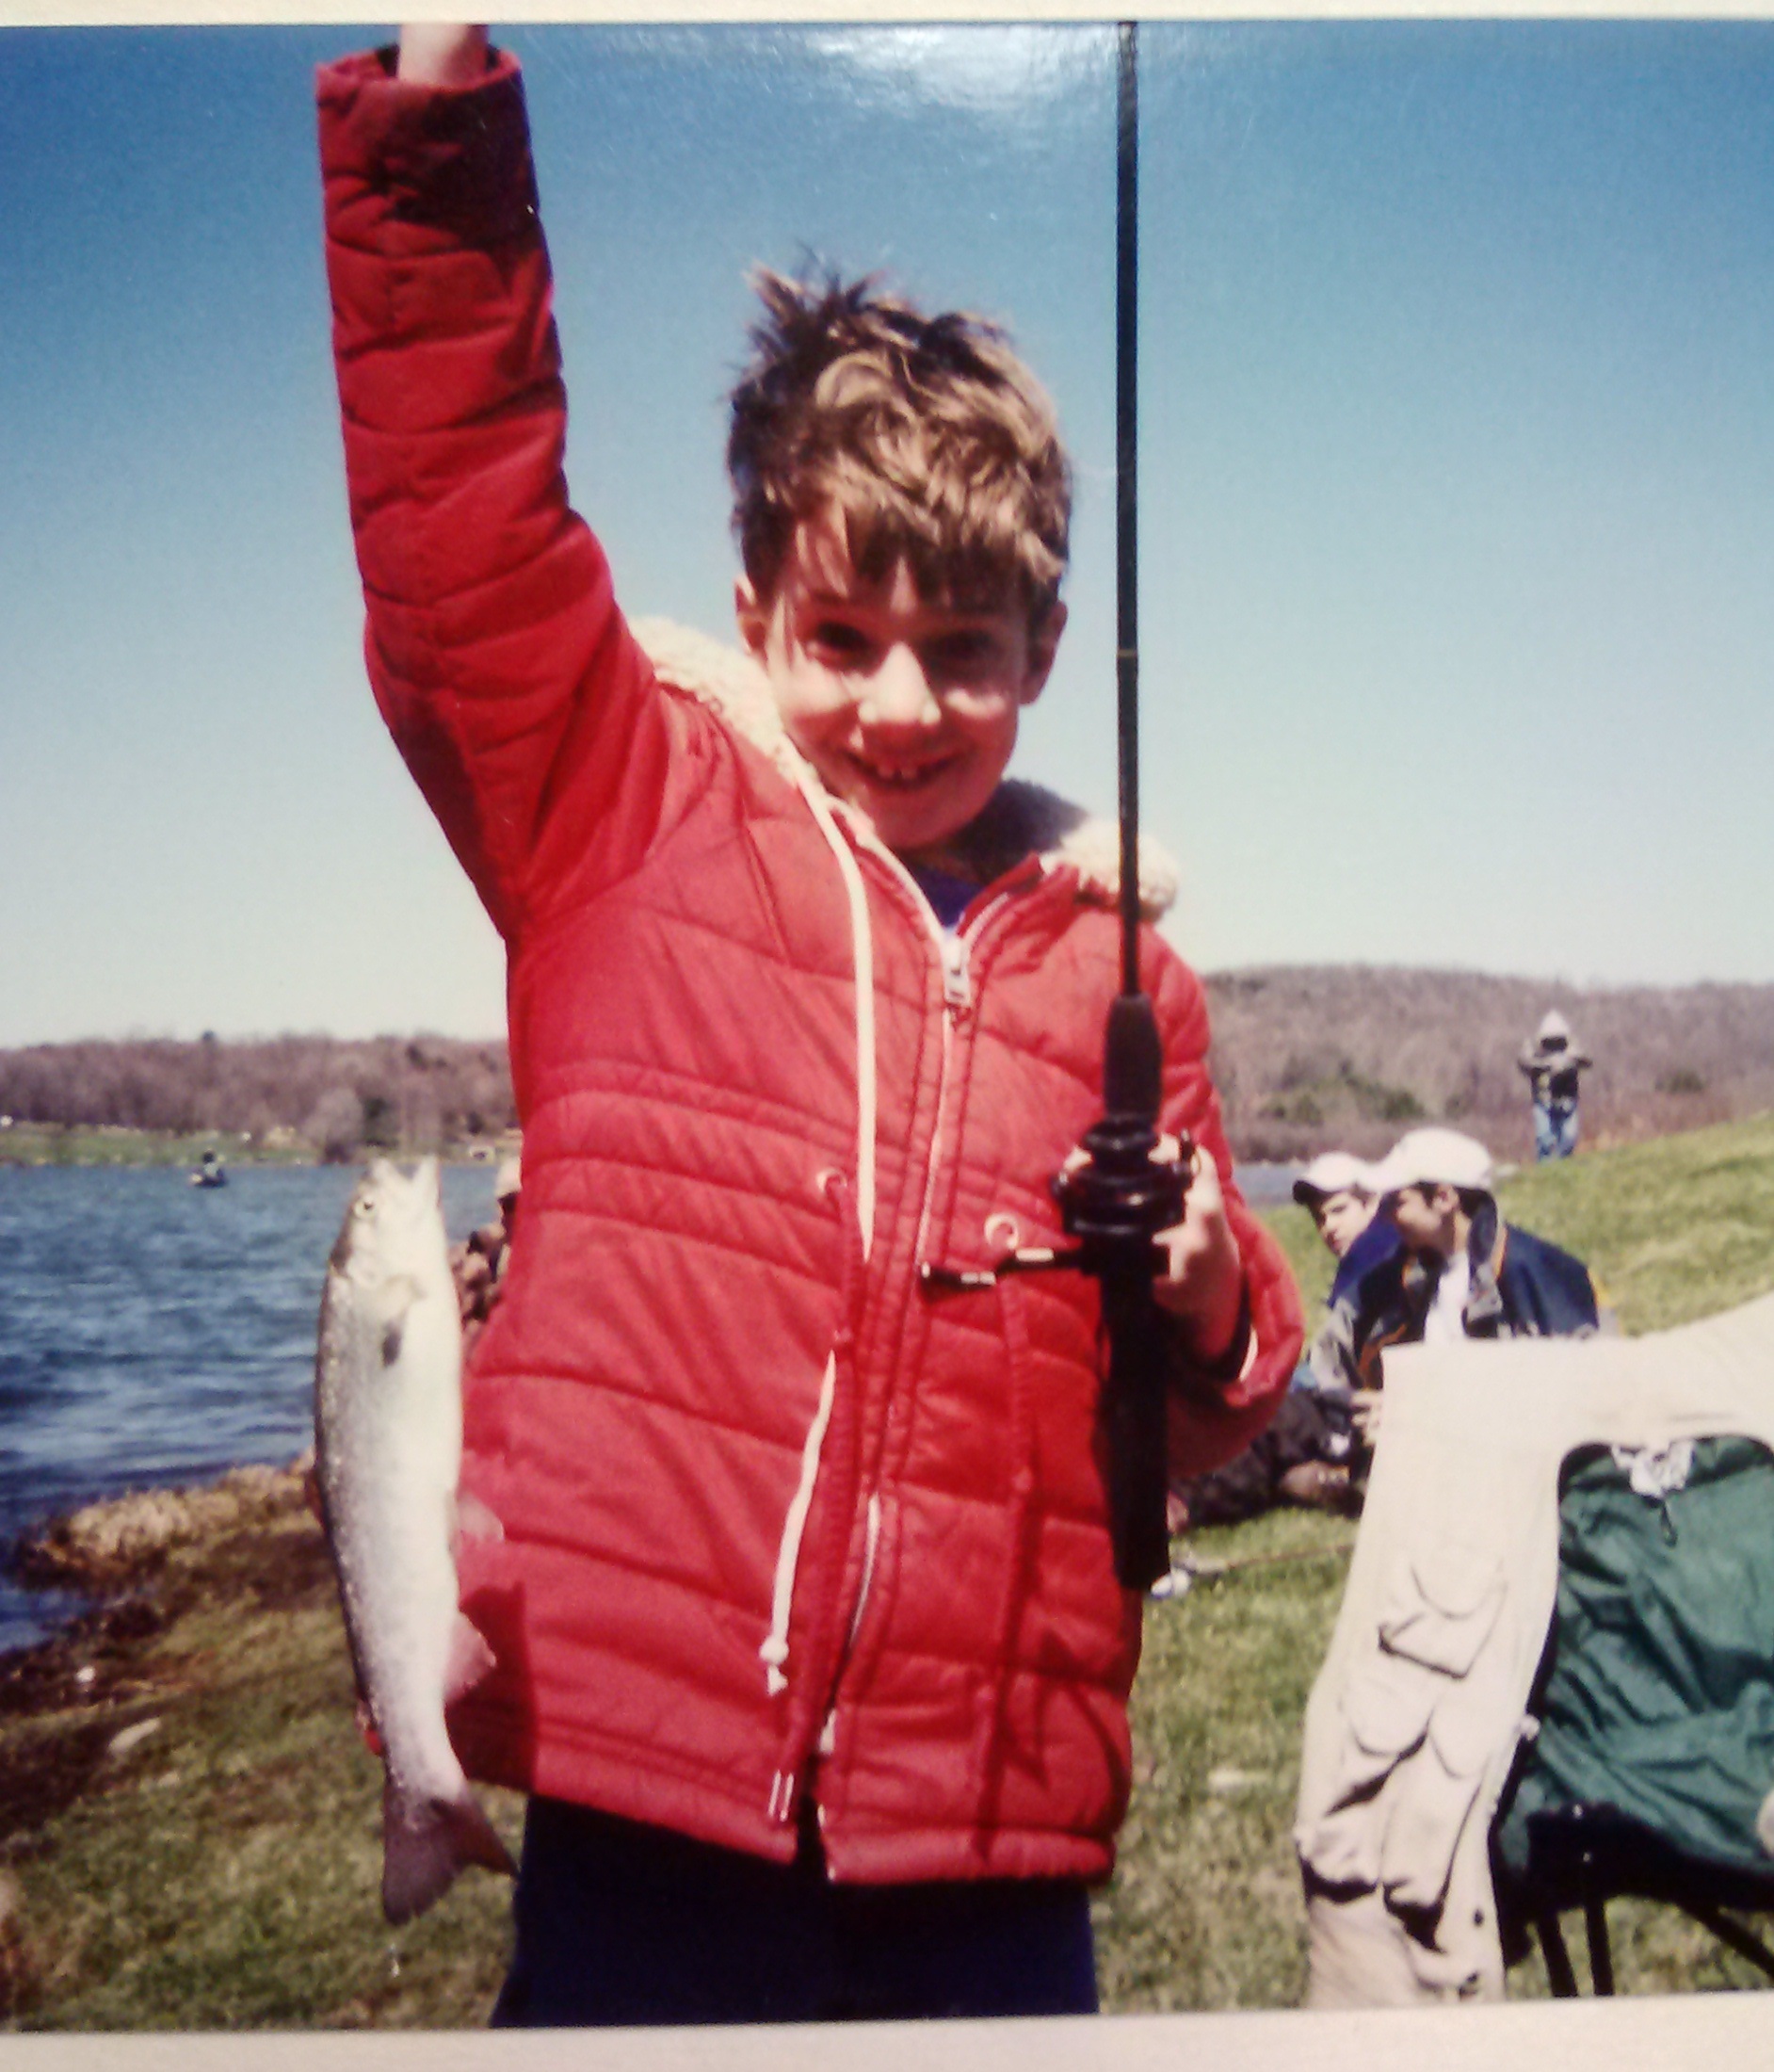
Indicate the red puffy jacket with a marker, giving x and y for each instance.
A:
(774, 1520)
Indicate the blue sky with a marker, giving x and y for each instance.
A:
(1457, 471)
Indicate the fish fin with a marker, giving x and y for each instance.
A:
(470, 1659)
(474, 1521)
(398, 1294)
(426, 1843)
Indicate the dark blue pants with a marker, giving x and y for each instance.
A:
(621, 1923)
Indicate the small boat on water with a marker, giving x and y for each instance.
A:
(210, 1171)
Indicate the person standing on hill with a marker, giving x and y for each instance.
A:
(808, 1644)
(1552, 1063)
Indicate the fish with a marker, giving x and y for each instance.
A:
(388, 1447)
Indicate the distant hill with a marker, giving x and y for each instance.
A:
(320, 1093)
(1306, 1056)
(1312, 1056)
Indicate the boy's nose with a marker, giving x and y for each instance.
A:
(899, 692)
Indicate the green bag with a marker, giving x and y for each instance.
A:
(1657, 1695)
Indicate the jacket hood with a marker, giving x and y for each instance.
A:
(1020, 819)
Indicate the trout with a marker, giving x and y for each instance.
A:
(388, 1444)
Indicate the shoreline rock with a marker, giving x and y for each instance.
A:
(119, 1543)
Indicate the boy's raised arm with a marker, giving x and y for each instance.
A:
(493, 645)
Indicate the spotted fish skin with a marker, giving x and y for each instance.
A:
(388, 1443)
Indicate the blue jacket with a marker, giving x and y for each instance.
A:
(1522, 1287)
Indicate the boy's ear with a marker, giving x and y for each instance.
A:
(753, 617)
(1043, 643)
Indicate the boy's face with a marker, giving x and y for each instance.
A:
(1341, 1218)
(905, 709)
(1424, 1215)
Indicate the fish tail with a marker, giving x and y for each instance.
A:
(425, 1842)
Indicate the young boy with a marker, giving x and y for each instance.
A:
(808, 1643)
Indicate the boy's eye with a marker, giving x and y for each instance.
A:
(839, 640)
(957, 653)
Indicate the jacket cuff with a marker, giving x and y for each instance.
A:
(1210, 1377)
(1235, 1363)
(453, 160)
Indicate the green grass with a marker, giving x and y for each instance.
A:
(223, 1871)
(55, 1143)
(1204, 1910)
(1674, 1230)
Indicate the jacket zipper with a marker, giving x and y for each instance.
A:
(953, 949)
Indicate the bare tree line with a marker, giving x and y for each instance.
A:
(1306, 1057)
(333, 1096)
(1309, 1058)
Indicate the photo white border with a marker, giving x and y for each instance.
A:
(1638, 2033)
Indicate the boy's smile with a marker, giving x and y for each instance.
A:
(905, 709)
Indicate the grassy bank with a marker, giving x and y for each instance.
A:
(189, 1824)
(108, 1144)
(111, 1144)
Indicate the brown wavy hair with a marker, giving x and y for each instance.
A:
(929, 435)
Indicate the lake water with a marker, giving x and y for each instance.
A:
(153, 1334)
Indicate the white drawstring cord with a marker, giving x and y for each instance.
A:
(774, 1652)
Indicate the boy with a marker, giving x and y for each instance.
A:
(807, 1641)
(1337, 1192)
(1460, 1271)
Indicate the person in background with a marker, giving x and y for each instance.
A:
(1338, 1192)
(1552, 1064)
(1460, 1271)
(1304, 1456)
(480, 1262)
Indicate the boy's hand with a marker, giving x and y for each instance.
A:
(1204, 1284)
(441, 53)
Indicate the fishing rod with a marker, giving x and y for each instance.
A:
(1117, 1203)
(1114, 1205)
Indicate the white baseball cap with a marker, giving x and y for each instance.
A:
(1333, 1172)
(1434, 1158)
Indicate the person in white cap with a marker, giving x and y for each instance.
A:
(1553, 1064)
(1337, 1192)
(1304, 1457)
(1460, 1271)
